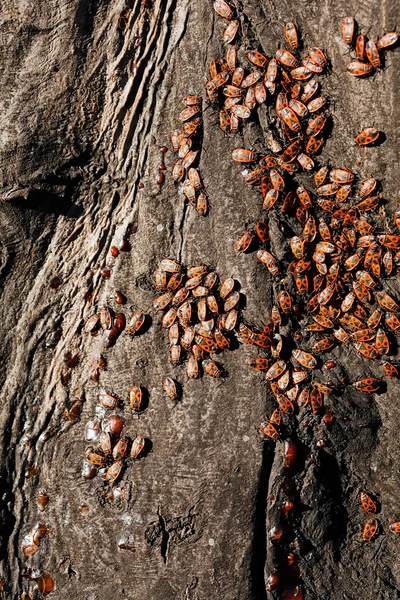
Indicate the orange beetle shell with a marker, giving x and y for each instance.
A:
(105, 442)
(285, 301)
(105, 318)
(178, 172)
(262, 232)
(114, 471)
(305, 359)
(290, 119)
(392, 321)
(387, 40)
(309, 90)
(230, 32)
(272, 71)
(286, 58)
(269, 430)
(269, 261)
(259, 364)
(224, 123)
(360, 46)
(341, 176)
(137, 447)
(243, 155)
(275, 417)
(188, 113)
(394, 527)
(223, 9)
(363, 335)
(348, 26)
(317, 56)
(359, 69)
(341, 335)
(290, 153)
(324, 345)
(316, 400)
(91, 323)
(291, 35)
(136, 323)
(386, 301)
(175, 353)
(257, 59)
(251, 79)
(313, 145)
(309, 64)
(202, 204)
(192, 368)
(169, 318)
(367, 187)
(372, 53)
(369, 530)
(277, 180)
(390, 370)
(94, 458)
(368, 204)
(367, 136)
(382, 342)
(368, 385)
(305, 161)
(316, 104)
(169, 388)
(299, 108)
(242, 112)
(285, 404)
(231, 56)
(367, 503)
(135, 397)
(276, 370)
(175, 281)
(366, 349)
(244, 241)
(299, 376)
(316, 125)
(211, 368)
(120, 448)
(301, 73)
(107, 400)
(301, 282)
(162, 301)
(303, 398)
(160, 277)
(321, 387)
(270, 199)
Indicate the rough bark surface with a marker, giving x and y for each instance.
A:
(81, 127)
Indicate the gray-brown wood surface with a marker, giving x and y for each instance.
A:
(87, 100)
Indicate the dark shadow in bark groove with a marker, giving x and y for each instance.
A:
(49, 204)
(331, 479)
(259, 544)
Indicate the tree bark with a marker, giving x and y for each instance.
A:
(91, 91)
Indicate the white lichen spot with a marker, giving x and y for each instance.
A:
(137, 518)
(126, 518)
(211, 542)
(160, 227)
(245, 438)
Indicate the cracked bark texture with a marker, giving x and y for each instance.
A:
(85, 110)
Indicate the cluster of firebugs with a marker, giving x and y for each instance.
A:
(108, 459)
(341, 253)
(339, 257)
(338, 261)
(186, 142)
(200, 315)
